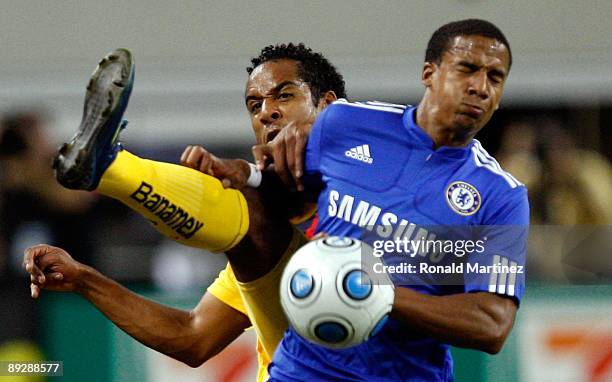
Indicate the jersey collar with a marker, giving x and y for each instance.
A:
(417, 133)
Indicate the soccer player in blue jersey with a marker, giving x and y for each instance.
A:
(389, 171)
(395, 170)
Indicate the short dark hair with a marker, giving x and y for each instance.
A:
(313, 68)
(441, 39)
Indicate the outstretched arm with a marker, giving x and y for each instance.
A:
(479, 320)
(191, 337)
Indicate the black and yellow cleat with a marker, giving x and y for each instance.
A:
(81, 162)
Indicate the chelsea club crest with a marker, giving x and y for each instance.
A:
(463, 198)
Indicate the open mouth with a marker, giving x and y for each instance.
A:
(271, 134)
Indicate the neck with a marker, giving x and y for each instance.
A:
(441, 135)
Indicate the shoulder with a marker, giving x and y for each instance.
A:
(504, 198)
(362, 116)
(372, 108)
(490, 172)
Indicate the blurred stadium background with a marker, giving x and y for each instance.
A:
(553, 132)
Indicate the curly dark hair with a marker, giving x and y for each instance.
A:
(313, 68)
(440, 40)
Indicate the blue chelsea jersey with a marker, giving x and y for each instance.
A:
(376, 173)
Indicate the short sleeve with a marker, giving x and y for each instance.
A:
(225, 288)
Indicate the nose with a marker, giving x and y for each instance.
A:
(269, 112)
(479, 85)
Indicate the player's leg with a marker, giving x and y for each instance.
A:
(183, 204)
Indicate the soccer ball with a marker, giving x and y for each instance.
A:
(330, 298)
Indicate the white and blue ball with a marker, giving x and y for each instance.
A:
(330, 297)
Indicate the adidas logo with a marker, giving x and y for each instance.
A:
(361, 153)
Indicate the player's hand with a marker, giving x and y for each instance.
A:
(51, 268)
(231, 172)
(286, 151)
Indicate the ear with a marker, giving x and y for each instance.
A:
(327, 99)
(428, 71)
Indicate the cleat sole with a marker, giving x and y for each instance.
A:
(75, 164)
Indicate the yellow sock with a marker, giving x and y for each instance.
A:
(183, 204)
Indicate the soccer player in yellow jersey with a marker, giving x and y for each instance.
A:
(288, 85)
